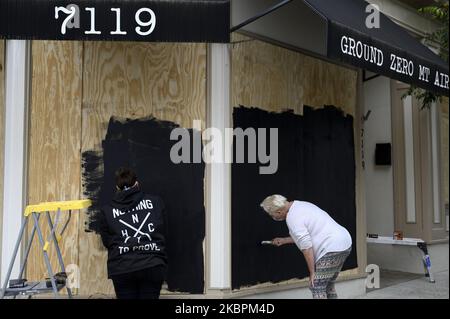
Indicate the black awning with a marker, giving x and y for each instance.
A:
(337, 30)
(120, 20)
(388, 50)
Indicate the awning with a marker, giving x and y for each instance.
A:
(121, 20)
(336, 29)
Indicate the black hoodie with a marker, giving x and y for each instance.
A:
(132, 229)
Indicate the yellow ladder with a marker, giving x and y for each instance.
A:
(35, 211)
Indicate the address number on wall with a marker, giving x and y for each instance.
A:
(144, 19)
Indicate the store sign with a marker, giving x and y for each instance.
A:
(121, 20)
(72, 20)
(365, 52)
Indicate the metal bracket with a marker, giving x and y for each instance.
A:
(423, 247)
(260, 15)
(367, 79)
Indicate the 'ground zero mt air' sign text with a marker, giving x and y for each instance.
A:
(368, 53)
(398, 64)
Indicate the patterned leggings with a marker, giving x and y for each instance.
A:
(327, 271)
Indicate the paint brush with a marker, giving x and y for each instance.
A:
(267, 242)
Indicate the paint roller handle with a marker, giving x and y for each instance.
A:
(282, 241)
(278, 242)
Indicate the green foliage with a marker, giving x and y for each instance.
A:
(439, 12)
(427, 98)
(440, 36)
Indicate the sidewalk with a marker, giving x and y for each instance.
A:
(411, 288)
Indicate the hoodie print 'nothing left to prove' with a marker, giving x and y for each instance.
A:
(139, 227)
(134, 232)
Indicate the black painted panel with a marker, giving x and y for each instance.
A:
(144, 145)
(316, 164)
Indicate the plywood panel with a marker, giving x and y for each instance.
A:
(54, 139)
(274, 79)
(134, 80)
(2, 129)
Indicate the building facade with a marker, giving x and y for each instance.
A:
(57, 104)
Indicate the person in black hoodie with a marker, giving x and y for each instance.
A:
(131, 228)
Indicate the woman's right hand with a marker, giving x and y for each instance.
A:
(279, 241)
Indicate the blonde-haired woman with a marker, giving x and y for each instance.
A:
(324, 243)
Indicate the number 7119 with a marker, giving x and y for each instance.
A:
(144, 26)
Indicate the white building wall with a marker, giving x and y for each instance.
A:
(378, 179)
(405, 16)
(17, 68)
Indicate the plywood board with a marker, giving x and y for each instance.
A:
(134, 80)
(54, 139)
(274, 79)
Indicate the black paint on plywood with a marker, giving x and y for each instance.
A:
(144, 145)
(316, 164)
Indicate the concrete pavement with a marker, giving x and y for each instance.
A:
(411, 288)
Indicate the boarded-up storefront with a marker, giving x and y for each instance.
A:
(97, 102)
(77, 88)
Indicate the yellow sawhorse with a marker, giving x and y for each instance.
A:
(35, 211)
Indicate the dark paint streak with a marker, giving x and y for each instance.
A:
(92, 176)
(144, 145)
(316, 164)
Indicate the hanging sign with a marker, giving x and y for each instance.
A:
(362, 51)
(121, 20)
